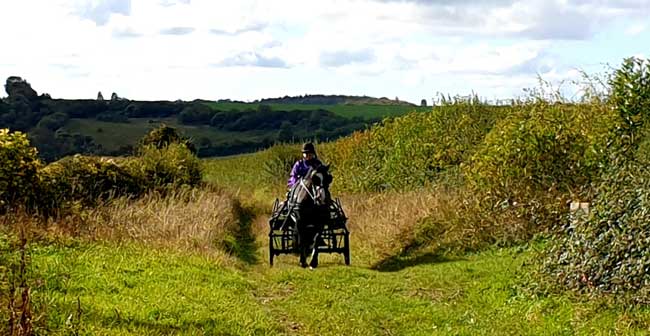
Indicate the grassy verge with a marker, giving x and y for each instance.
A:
(112, 289)
(134, 290)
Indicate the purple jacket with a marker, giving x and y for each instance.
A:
(300, 169)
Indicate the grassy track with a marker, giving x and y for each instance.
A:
(130, 290)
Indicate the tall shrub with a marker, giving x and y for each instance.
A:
(19, 166)
(170, 166)
(609, 249)
(413, 150)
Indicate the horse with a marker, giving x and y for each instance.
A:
(308, 203)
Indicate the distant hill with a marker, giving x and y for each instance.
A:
(334, 100)
(112, 127)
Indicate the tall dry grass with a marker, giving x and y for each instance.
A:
(389, 224)
(205, 220)
(16, 281)
(189, 219)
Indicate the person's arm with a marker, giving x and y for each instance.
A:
(293, 176)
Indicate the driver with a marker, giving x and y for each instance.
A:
(302, 166)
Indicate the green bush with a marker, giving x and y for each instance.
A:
(164, 136)
(171, 166)
(19, 166)
(87, 180)
(630, 87)
(608, 250)
(541, 156)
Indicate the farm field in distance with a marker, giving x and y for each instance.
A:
(344, 110)
(113, 135)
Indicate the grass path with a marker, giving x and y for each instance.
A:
(132, 290)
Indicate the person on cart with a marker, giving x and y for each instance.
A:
(302, 166)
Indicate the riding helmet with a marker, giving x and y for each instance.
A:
(308, 148)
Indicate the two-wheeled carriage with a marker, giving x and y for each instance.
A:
(334, 236)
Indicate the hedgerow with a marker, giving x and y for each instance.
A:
(608, 250)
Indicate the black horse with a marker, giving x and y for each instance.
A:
(308, 208)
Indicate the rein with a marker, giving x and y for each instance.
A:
(313, 196)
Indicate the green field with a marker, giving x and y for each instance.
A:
(348, 111)
(108, 289)
(113, 135)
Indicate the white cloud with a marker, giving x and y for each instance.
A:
(100, 11)
(636, 29)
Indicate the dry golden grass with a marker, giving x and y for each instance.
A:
(388, 224)
(16, 229)
(381, 224)
(190, 219)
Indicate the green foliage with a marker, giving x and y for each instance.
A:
(608, 250)
(53, 121)
(19, 166)
(164, 136)
(196, 113)
(412, 151)
(630, 87)
(171, 166)
(87, 180)
(543, 147)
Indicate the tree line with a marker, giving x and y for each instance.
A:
(44, 118)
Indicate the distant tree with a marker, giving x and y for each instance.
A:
(114, 97)
(100, 97)
(423, 103)
(54, 121)
(16, 86)
(286, 133)
(163, 136)
(197, 113)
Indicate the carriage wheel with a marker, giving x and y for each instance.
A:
(346, 252)
(271, 254)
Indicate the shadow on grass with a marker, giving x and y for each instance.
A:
(243, 244)
(404, 260)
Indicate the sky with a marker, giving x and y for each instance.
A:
(247, 50)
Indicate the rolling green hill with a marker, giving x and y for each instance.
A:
(344, 110)
(112, 135)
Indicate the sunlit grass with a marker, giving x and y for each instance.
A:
(134, 290)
